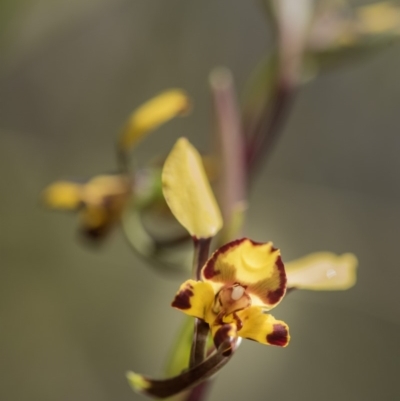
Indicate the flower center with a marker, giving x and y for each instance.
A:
(231, 299)
(237, 292)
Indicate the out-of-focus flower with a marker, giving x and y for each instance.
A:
(241, 281)
(313, 36)
(102, 200)
(336, 25)
(339, 32)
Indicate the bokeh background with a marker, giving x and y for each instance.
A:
(73, 319)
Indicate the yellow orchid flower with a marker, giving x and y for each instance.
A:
(241, 280)
(235, 287)
(102, 200)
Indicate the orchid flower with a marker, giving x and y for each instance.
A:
(240, 281)
(102, 199)
(233, 289)
(315, 35)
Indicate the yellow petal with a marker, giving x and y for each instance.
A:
(322, 271)
(263, 328)
(188, 193)
(103, 187)
(63, 195)
(256, 266)
(194, 298)
(152, 114)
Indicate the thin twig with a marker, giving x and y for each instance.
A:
(269, 127)
(200, 335)
(201, 253)
(230, 152)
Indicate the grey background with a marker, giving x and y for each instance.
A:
(74, 319)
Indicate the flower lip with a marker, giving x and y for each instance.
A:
(257, 267)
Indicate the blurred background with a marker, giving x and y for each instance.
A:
(74, 319)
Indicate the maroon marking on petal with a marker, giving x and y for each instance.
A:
(182, 299)
(257, 243)
(221, 335)
(279, 336)
(275, 296)
(209, 268)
